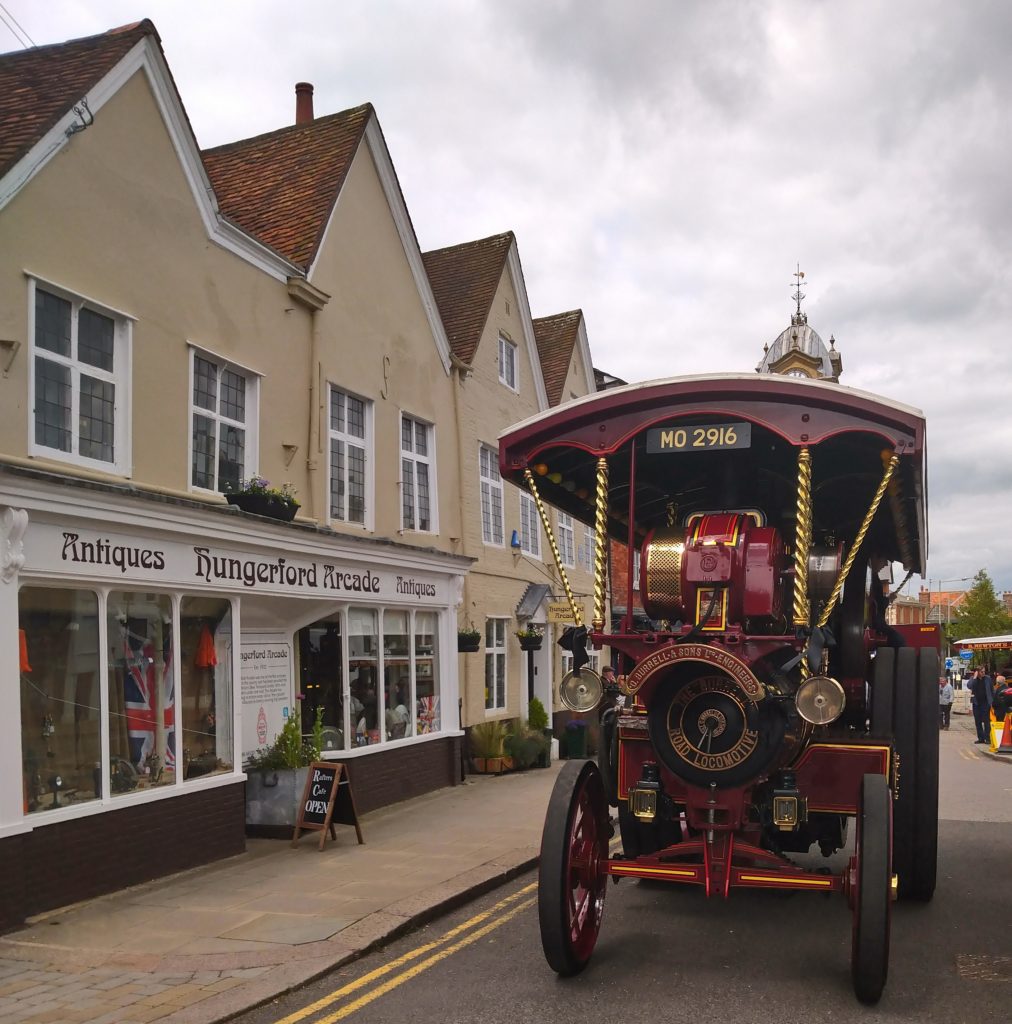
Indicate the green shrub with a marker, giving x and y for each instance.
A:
(290, 749)
(537, 717)
(526, 746)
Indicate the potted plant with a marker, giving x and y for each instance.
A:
(530, 637)
(257, 496)
(487, 740)
(526, 746)
(276, 776)
(468, 638)
(537, 721)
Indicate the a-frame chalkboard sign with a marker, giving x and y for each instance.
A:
(326, 799)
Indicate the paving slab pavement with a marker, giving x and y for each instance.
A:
(203, 945)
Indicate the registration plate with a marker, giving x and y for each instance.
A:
(701, 437)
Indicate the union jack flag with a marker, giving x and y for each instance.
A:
(140, 677)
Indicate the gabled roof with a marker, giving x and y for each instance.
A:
(281, 187)
(557, 337)
(464, 280)
(39, 86)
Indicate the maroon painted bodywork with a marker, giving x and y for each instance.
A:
(737, 502)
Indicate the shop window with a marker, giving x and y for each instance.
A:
(79, 380)
(60, 678)
(224, 418)
(594, 663)
(350, 444)
(426, 673)
(205, 684)
(397, 673)
(142, 711)
(362, 666)
(416, 475)
(587, 550)
(495, 664)
(491, 496)
(321, 680)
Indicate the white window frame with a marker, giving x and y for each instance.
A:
(429, 461)
(509, 369)
(530, 526)
(497, 650)
(366, 444)
(593, 663)
(120, 378)
(567, 538)
(492, 487)
(587, 549)
(251, 458)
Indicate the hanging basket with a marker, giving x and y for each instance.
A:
(267, 505)
(467, 644)
(530, 643)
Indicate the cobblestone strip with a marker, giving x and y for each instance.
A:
(106, 995)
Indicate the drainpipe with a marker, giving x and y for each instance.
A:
(314, 299)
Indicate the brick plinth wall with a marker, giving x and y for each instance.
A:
(69, 861)
(400, 773)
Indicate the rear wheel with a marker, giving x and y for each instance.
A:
(870, 891)
(571, 879)
(882, 677)
(915, 726)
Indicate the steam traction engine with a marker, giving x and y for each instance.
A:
(765, 702)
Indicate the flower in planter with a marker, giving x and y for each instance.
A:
(530, 632)
(261, 485)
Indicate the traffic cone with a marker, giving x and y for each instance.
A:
(1006, 736)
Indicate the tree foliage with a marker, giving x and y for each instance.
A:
(981, 612)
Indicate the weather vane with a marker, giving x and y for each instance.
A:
(799, 276)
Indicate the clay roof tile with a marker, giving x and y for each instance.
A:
(464, 279)
(281, 187)
(38, 86)
(556, 336)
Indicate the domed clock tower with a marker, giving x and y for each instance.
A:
(799, 351)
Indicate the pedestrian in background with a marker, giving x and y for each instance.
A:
(945, 699)
(980, 699)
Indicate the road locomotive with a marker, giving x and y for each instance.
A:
(768, 713)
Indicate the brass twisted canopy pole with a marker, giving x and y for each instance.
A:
(803, 544)
(894, 461)
(600, 541)
(543, 514)
(802, 537)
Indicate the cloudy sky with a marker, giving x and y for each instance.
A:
(665, 166)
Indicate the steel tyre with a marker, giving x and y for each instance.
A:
(882, 686)
(871, 875)
(571, 879)
(920, 884)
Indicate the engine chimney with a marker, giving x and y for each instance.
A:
(303, 102)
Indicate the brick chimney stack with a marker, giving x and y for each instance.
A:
(303, 102)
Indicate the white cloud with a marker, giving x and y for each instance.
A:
(665, 165)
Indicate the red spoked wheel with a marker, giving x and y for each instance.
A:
(571, 879)
(870, 890)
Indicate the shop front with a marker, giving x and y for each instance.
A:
(148, 647)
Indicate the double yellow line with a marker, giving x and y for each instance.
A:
(440, 949)
(418, 960)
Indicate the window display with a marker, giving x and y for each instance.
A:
(142, 744)
(426, 673)
(408, 703)
(396, 673)
(321, 680)
(205, 672)
(61, 742)
(362, 664)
